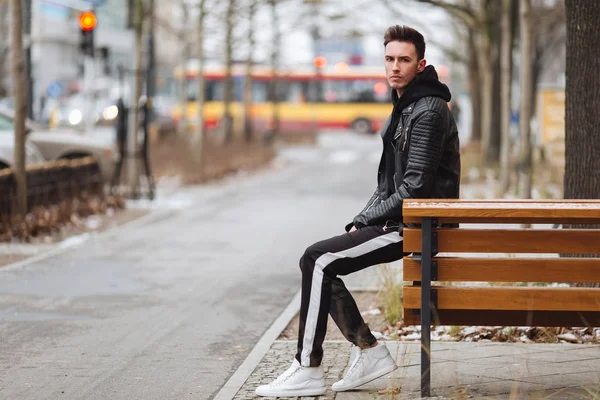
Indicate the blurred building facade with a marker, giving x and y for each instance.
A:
(56, 58)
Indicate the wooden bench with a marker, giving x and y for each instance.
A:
(461, 304)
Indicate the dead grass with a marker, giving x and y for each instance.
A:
(177, 156)
(390, 295)
(594, 391)
(48, 221)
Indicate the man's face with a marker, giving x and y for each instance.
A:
(402, 64)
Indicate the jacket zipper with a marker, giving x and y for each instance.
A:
(405, 140)
(372, 203)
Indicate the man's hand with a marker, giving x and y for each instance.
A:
(352, 229)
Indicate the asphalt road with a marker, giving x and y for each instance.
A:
(169, 309)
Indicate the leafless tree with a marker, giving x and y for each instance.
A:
(549, 29)
(182, 127)
(275, 50)
(18, 74)
(199, 138)
(478, 18)
(134, 121)
(228, 87)
(525, 157)
(505, 88)
(582, 153)
(252, 8)
(4, 44)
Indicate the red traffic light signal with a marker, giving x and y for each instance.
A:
(320, 62)
(87, 21)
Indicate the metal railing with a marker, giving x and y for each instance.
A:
(52, 182)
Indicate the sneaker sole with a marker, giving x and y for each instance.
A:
(366, 379)
(293, 392)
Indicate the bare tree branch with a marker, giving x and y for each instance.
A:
(454, 54)
(463, 12)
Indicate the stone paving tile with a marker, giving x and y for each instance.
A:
(457, 372)
(574, 393)
(462, 374)
(280, 357)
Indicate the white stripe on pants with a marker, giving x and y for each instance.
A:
(317, 281)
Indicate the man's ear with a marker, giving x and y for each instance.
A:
(421, 65)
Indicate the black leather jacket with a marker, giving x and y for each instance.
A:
(426, 161)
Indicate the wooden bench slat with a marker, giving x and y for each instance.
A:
(505, 220)
(572, 241)
(509, 269)
(505, 298)
(506, 201)
(508, 318)
(501, 209)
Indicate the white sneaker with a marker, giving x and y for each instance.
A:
(295, 382)
(370, 364)
(354, 353)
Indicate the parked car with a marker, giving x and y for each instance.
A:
(7, 146)
(59, 144)
(71, 112)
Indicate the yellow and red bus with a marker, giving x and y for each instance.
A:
(340, 96)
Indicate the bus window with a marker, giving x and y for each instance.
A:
(285, 90)
(315, 91)
(238, 88)
(297, 92)
(259, 91)
(214, 90)
(191, 90)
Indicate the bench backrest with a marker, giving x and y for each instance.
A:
(496, 255)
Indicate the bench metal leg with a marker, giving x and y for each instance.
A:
(426, 258)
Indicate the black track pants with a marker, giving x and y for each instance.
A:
(324, 293)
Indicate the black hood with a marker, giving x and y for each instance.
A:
(426, 84)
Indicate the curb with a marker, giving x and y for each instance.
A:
(61, 247)
(239, 377)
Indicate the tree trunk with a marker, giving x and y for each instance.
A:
(182, 127)
(4, 45)
(18, 74)
(505, 92)
(525, 163)
(485, 64)
(248, 80)
(582, 119)
(134, 121)
(228, 89)
(275, 67)
(493, 154)
(199, 137)
(475, 89)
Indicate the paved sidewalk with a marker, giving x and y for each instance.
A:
(459, 369)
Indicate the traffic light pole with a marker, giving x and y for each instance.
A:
(88, 79)
(87, 23)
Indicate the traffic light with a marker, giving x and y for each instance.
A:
(87, 23)
(320, 62)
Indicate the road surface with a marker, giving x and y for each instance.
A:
(170, 308)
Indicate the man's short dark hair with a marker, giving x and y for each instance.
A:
(403, 33)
